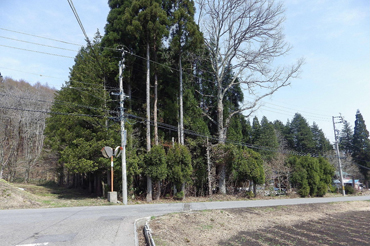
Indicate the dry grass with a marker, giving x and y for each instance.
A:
(49, 195)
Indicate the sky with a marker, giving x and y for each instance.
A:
(332, 36)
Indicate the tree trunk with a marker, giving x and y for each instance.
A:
(155, 113)
(183, 190)
(222, 180)
(254, 189)
(159, 190)
(174, 189)
(209, 171)
(149, 195)
(149, 189)
(221, 139)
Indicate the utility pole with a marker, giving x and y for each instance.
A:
(182, 142)
(336, 136)
(123, 132)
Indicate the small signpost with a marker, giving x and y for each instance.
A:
(108, 152)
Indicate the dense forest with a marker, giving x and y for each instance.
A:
(189, 125)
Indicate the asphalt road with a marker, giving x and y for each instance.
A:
(108, 225)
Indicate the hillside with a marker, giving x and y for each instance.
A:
(12, 197)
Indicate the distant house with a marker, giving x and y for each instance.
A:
(349, 181)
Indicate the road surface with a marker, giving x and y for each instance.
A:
(108, 225)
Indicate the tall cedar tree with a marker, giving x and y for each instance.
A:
(300, 136)
(147, 22)
(185, 36)
(346, 138)
(321, 143)
(267, 139)
(78, 140)
(361, 146)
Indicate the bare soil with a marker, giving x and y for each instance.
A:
(344, 223)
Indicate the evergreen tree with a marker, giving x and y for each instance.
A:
(361, 145)
(300, 135)
(311, 176)
(279, 126)
(321, 143)
(256, 130)
(246, 130)
(147, 22)
(185, 36)
(247, 165)
(179, 166)
(78, 139)
(346, 138)
(156, 165)
(267, 140)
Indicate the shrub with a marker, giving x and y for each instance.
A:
(179, 195)
(321, 191)
(304, 190)
(349, 189)
(249, 194)
(333, 189)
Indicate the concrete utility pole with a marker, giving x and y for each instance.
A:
(123, 132)
(336, 136)
(182, 141)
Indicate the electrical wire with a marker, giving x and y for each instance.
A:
(51, 112)
(4, 29)
(76, 81)
(175, 129)
(58, 102)
(78, 19)
(38, 44)
(35, 51)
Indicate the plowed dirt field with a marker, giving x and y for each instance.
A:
(345, 223)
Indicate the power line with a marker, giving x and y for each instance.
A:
(198, 77)
(171, 128)
(78, 19)
(51, 112)
(75, 81)
(40, 37)
(38, 44)
(61, 41)
(58, 102)
(36, 51)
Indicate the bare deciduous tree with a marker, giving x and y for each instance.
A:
(246, 36)
(22, 126)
